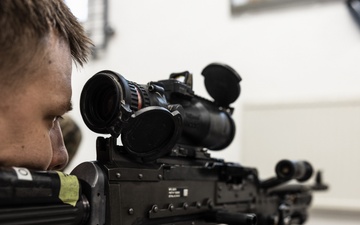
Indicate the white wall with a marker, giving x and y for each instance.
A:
(295, 54)
(326, 134)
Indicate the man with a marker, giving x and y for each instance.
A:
(38, 40)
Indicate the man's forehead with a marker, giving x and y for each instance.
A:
(54, 74)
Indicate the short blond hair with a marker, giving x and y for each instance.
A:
(24, 24)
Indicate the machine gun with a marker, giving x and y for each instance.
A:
(163, 172)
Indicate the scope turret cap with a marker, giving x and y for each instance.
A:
(222, 83)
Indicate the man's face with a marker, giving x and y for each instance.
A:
(30, 135)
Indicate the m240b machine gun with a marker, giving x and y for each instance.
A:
(163, 172)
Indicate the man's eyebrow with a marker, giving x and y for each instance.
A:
(65, 107)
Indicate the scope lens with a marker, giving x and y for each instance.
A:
(105, 103)
(99, 103)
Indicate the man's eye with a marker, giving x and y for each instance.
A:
(58, 118)
(54, 120)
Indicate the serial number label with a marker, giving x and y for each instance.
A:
(178, 192)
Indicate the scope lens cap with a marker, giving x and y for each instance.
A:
(152, 132)
(222, 83)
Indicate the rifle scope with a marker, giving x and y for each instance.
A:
(153, 118)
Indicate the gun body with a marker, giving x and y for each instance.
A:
(194, 189)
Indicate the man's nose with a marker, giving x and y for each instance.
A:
(60, 156)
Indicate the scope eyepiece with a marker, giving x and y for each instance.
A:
(110, 104)
(105, 98)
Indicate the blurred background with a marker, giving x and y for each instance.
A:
(299, 61)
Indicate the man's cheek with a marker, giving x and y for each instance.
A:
(42, 151)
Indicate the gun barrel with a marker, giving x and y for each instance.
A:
(39, 197)
(299, 170)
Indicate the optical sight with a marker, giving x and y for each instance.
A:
(152, 118)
